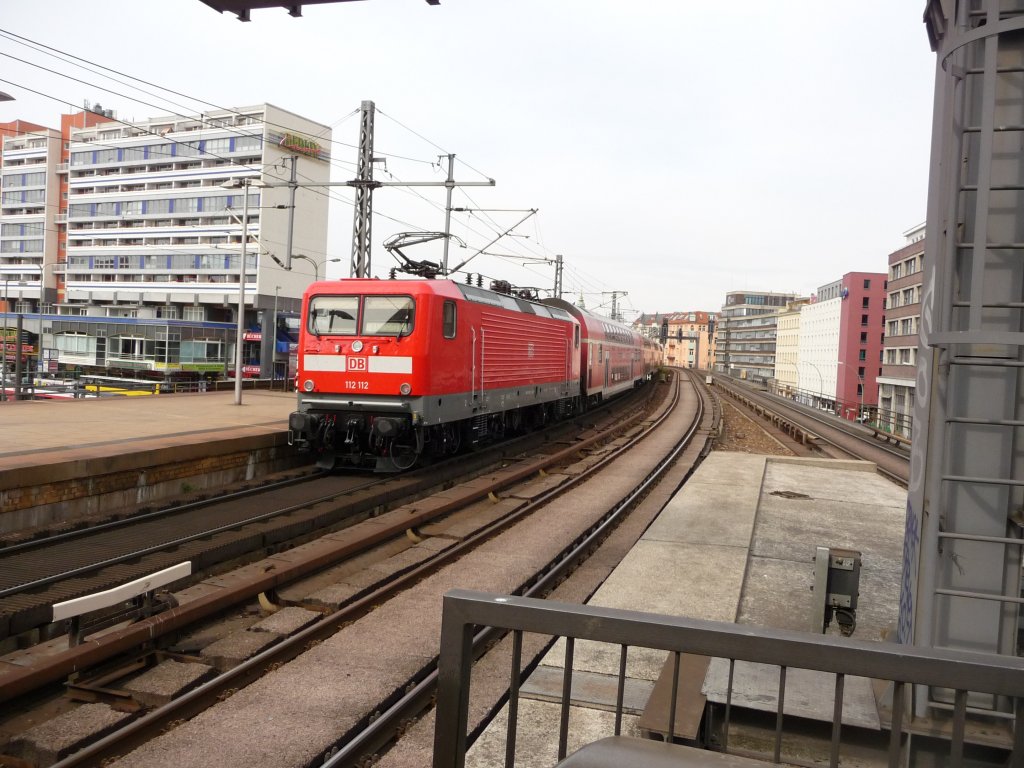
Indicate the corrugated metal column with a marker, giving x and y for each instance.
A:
(962, 556)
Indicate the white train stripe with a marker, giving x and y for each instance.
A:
(324, 362)
(390, 364)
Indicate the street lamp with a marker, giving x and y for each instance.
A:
(862, 385)
(316, 265)
(17, 338)
(821, 381)
(273, 340)
(3, 359)
(240, 183)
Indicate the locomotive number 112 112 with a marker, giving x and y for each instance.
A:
(357, 385)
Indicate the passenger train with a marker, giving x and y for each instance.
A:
(393, 371)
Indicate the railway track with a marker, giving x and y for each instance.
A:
(534, 499)
(41, 572)
(175, 620)
(836, 437)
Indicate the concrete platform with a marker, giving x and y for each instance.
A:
(62, 460)
(737, 543)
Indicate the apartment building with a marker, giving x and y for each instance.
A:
(902, 321)
(840, 344)
(687, 339)
(28, 238)
(787, 348)
(150, 220)
(745, 332)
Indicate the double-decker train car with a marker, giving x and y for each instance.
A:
(390, 371)
(614, 358)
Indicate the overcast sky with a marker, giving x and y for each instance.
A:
(675, 149)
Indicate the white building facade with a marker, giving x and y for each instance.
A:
(787, 348)
(819, 350)
(155, 234)
(28, 204)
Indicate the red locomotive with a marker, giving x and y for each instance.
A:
(392, 370)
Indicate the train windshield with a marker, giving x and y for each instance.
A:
(388, 315)
(333, 315)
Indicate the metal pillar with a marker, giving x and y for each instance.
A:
(558, 276)
(240, 320)
(293, 185)
(449, 185)
(963, 547)
(362, 216)
(18, 370)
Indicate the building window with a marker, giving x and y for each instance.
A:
(75, 343)
(862, 355)
(867, 284)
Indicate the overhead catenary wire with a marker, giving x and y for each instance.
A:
(206, 120)
(233, 129)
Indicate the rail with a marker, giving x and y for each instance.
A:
(791, 427)
(966, 675)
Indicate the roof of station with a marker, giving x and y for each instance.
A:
(243, 8)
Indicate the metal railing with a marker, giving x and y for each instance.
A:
(995, 679)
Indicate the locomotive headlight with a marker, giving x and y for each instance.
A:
(405, 389)
(357, 346)
(307, 385)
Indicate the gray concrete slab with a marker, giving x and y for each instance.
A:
(698, 581)
(844, 507)
(333, 595)
(537, 726)
(809, 694)
(588, 689)
(232, 650)
(287, 621)
(166, 681)
(739, 529)
(48, 742)
(196, 641)
(116, 426)
(705, 513)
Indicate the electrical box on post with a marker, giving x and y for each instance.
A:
(836, 588)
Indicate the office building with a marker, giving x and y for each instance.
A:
(744, 334)
(148, 221)
(902, 323)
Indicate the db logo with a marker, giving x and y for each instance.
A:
(357, 363)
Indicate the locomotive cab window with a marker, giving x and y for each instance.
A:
(388, 315)
(333, 315)
(448, 320)
(576, 336)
